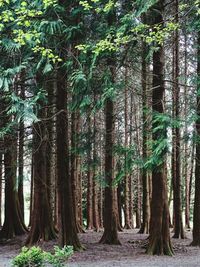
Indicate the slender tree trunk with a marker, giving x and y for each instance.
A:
(192, 169)
(50, 85)
(31, 190)
(185, 167)
(145, 177)
(176, 160)
(126, 178)
(130, 145)
(196, 218)
(90, 224)
(159, 238)
(95, 183)
(21, 159)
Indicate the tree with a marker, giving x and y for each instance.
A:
(196, 218)
(66, 216)
(176, 155)
(13, 222)
(42, 228)
(145, 177)
(159, 238)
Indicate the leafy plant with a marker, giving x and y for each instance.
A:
(36, 257)
(29, 257)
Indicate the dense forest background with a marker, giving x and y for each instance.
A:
(99, 120)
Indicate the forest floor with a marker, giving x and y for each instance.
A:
(131, 253)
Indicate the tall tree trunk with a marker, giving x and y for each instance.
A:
(176, 160)
(74, 157)
(196, 218)
(138, 171)
(21, 158)
(95, 183)
(127, 177)
(31, 189)
(145, 177)
(50, 85)
(13, 221)
(66, 215)
(159, 238)
(110, 235)
(131, 175)
(186, 154)
(111, 220)
(90, 224)
(42, 227)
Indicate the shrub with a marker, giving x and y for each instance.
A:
(36, 257)
(29, 257)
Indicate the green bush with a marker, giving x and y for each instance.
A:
(29, 257)
(36, 257)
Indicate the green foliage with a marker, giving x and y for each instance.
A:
(29, 257)
(60, 255)
(36, 257)
(160, 146)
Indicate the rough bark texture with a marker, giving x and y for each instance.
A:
(159, 238)
(75, 166)
(13, 222)
(42, 228)
(110, 235)
(66, 216)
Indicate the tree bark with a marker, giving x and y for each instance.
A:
(145, 177)
(42, 227)
(196, 218)
(110, 235)
(13, 221)
(21, 158)
(66, 215)
(176, 163)
(159, 238)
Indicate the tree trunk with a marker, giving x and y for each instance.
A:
(196, 218)
(186, 154)
(159, 238)
(90, 224)
(126, 178)
(176, 160)
(42, 227)
(95, 183)
(13, 221)
(66, 216)
(110, 235)
(74, 157)
(145, 177)
(21, 159)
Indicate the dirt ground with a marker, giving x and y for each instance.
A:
(130, 253)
